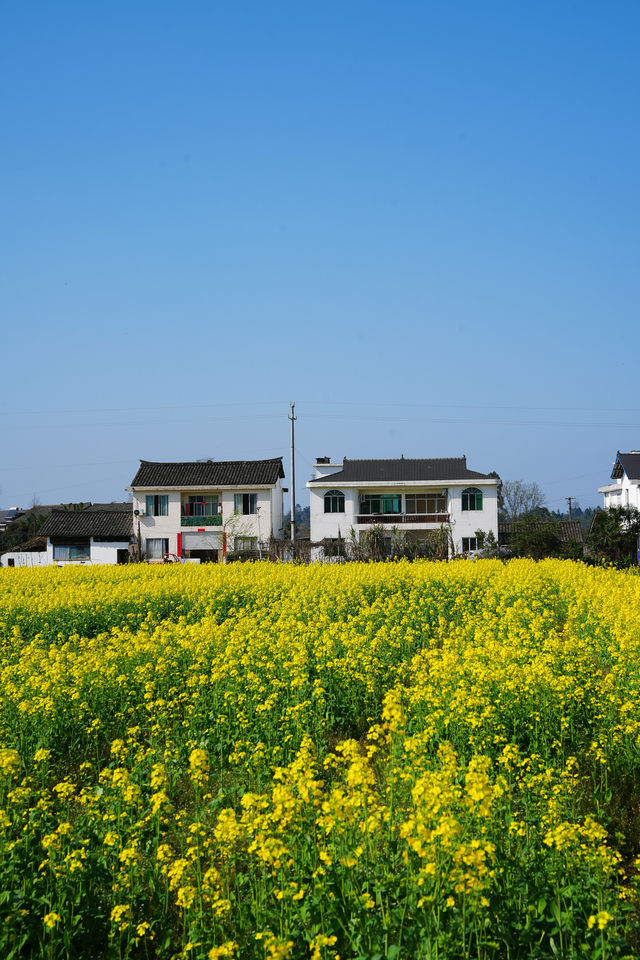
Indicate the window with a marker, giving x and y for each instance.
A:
(372, 503)
(334, 501)
(157, 505)
(426, 503)
(469, 544)
(156, 548)
(72, 551)
(472, 499)
(201, 505)
(245, 503)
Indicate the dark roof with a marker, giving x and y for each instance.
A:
(114, 524)
(627, 462)
(209, 473)
(566, 529)
(111, 507)
(391, 471)
(8, 515)
(35, 545)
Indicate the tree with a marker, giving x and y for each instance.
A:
(521, 498)
(532, 537)
(487, 543)
(614, 535)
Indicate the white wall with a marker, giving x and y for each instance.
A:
(328, 525)
(101, 552)
(266, 522)
(107, 552)
(277, 514)
(463, 523)
(28, 558)
(621, 493)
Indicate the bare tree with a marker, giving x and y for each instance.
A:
(520, 498)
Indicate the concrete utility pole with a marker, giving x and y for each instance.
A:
(569, 501)
(293, 474)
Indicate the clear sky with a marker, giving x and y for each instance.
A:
(418, 220)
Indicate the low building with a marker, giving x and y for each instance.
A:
(625, 489)
(418, 496)
(32, 553)
(565, 533)
(195, 509)
(101, 533)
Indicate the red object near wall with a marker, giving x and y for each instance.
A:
(179, 545)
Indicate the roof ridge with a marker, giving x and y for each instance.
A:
(404, 459)
(156, 463)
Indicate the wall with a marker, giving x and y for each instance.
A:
(28, 558)
(268, 519)
(463, 523)
(107, 552)
(621, 493)
(326, 525)
(277, 514)
(101, 553)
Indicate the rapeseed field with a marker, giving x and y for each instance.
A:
(369, 761)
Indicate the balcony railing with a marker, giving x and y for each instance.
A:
(207, 521)
(197, 515)
(393, 519)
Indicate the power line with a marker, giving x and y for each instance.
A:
(328, 403)
(472, 421)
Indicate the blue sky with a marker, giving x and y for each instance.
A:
(420, 221)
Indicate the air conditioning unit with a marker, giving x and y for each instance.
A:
(138, 513)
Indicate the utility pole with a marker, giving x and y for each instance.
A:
(293, 418)
(569, 501)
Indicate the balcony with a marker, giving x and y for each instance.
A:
(205, 513)
(206, 521)
(394, 519)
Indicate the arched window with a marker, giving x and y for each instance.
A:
(334, 501)
(472, 499)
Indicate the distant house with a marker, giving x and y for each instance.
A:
(100, 533)
(417, 496)
(625, 490)
(187, 508)
(8, 516)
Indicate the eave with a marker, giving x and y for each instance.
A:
(394, 484)
(201, 488)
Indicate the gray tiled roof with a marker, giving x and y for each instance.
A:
(630, 463)
(566, 529)
(114, 524)
(8, 515)
(208, 473)
(35, 545)
(437, 470)
(126, 507)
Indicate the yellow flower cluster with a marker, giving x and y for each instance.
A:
(325, 762)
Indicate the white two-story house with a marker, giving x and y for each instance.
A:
(417, 496)
(625, 489)
(200, 509)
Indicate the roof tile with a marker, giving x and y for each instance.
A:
(208, 473)
(435, 470)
